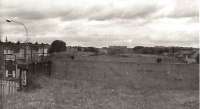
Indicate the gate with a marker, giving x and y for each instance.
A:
(15, 75)
(10, 79)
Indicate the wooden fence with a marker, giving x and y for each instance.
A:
(8, 88)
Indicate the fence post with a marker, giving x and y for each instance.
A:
(20, 80)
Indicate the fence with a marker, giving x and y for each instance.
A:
(8, 88)
(9, 81)
(15, 74)
(40, 68)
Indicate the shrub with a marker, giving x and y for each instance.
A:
(57, 46)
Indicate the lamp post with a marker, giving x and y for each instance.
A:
(26, 48)
(20, 23)
(26, 30)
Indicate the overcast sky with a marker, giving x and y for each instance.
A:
(103, 22)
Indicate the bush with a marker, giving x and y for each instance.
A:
(91, 49)
(57, 46)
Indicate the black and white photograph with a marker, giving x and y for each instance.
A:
(99, 54)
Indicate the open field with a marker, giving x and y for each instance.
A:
(80, 94)
(142, 75)
(137, 58)
(89, 84)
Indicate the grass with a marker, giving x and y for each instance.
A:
(81, 94)
(79, 84)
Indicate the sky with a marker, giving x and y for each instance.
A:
(103, 22)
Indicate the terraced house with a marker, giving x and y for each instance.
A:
(18, 54)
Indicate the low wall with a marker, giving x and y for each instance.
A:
(149, 75)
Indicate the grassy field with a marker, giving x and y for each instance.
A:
(80, 94)
(137, 58)
(92, 84)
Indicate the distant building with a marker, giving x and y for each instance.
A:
(188, 56)
(14, 55)
(191, 58)
(15, 51)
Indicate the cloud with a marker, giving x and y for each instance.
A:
(104, 22)
(179, 9)
(123, 13)
(94, 11)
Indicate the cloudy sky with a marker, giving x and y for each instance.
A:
(103, 22)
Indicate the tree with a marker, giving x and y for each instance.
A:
(18, 42)
(57, 46)
(36, 43)
(91, 49)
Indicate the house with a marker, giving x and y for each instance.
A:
(190, 58)
(16, 54)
